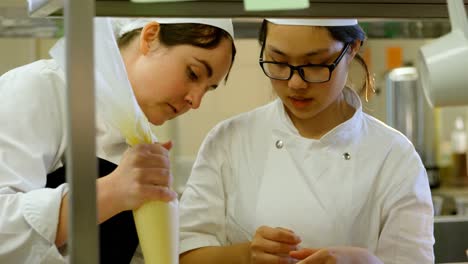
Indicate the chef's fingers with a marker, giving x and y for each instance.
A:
(145, 156)
(320, 257)
(279, 235)
(155, 148)
(154, 176)
(266, 258)
(303, 253)
(154, 192)
(167, 145)
(285, 229)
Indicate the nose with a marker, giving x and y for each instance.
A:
(194, 97)
(296, 81)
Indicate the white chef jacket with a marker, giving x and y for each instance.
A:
(362, 184)
(32, 144)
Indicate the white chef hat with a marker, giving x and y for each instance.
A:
(314, 22)
(124, 25)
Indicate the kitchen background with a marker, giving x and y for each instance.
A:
(391, 44)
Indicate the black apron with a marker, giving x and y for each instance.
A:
(118, 236)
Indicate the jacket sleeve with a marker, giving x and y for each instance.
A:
(202, 205)
(31, 144)
(406, 234)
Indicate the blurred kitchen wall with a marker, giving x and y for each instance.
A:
(15, 52)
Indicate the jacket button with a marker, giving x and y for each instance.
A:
(346, 156)
(279, 144)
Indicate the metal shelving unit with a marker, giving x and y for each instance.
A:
(78, 14)
(234, 8)
(81, 161)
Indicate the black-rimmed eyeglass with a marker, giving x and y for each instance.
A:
(313, 73)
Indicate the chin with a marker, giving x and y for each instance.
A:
(157, 121)
(304, 116)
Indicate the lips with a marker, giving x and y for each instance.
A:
(300, 102)
(299, 98)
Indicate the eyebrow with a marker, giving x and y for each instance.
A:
(207, 66)
(308, 54)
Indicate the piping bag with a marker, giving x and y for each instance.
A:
(156, 221)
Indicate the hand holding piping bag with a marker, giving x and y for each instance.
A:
(157, 224)
(143, 175)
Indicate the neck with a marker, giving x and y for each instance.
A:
(317, 126)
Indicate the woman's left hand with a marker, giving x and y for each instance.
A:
(335, 255)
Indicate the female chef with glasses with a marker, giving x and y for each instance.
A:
(156, 69)
(309, 177)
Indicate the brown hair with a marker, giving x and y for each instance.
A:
(199, 35)
(345, 34)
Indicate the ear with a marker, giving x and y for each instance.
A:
(149, 37)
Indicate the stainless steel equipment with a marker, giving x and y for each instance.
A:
(409, 112)
(451, 236)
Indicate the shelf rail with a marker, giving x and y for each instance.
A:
(83, 242)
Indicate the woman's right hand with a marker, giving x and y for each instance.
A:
(143, 174)
(272, 246)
